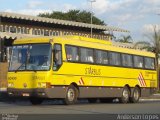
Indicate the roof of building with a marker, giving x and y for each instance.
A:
(60, 22)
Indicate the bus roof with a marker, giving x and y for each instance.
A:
(84, 42)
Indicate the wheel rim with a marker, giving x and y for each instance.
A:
(126, 95)
(136, 94)
(71, 94)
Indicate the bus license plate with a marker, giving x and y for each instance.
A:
(25, 94)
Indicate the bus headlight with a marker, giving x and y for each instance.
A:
(10, 85)
(44, 85)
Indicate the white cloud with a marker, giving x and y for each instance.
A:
(149, 28)
(67, 7)
(29, 11)
(152, 2)
(34, 4)
(102, 6)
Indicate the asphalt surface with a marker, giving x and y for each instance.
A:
(146, 109)
(82, 107)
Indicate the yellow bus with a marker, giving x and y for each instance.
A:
(72, 67)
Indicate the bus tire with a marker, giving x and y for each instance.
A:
(135, 96)
(125, 95)
(71, 95)
(36, 101)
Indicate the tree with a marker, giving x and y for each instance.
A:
(73, 15)
(152, 45)
(125, 39)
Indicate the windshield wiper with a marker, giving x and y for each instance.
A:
(20, 67)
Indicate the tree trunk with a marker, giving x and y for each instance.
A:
(157, 68)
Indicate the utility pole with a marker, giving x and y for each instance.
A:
(91, 1)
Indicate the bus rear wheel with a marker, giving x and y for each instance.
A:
(36, 101)
(135, 96)
(125, 95)
(71, 95)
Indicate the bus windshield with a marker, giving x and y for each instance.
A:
(30, 57)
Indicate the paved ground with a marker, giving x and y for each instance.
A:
(81, 111)
(83, 107)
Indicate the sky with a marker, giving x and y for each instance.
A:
(136, 16)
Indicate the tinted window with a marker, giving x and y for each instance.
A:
(138, 61)
(149, 63)
(114, 58)
(57, 56)
(86, 55)
(127, 60)
(101, 57)
(72, 53)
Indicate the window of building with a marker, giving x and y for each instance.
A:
(27, 30)
(127, 60)
(33, 32)
(19, 30)
(114, 58)
(6, 28)
(50, 33)
(38, 32)
(42, 32)
(72, 53)
(46, 33)
(13, 29)
(101, 57)
(86, 55)
(64, 33)
(57, 33)
(138, 61)
(1, 28)
(23, 31)
(149, 63)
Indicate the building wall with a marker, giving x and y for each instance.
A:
(45, 31)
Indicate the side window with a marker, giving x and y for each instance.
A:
(101, 57)
(57, 56)
(138, 61)
(127, 60)
(72, 53)
(149, 63)
(114, 58)
(86, 55)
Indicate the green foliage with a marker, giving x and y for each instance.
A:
(73, 15)
(153, 44)
(125, 39)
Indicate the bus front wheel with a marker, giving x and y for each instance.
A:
(71, 95)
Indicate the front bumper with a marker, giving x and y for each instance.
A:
(57, 92)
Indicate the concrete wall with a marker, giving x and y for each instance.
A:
(3, 76)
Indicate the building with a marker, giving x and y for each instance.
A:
(13, 26)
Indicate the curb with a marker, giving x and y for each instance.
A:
(149, 99)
